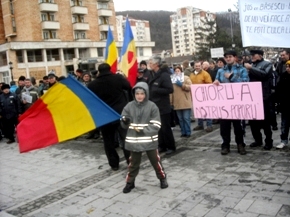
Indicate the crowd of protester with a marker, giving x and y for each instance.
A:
(167, 87)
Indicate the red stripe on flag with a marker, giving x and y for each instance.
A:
(39, 114)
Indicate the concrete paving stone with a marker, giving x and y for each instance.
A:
(217, 212)
(144, 200)
(239, 188)
(5, 214)
(101, 203)
(277, 179)
(129, 210)
(183, 208)
(231, 193)
(165, 204)
(109, 192)
(198, 210)
(284, 211)
(169, 192)
(126, 197)
(266, 208)
(258, 196)
(159, 213)
(262, 190)
(40, 214)
(243, 205)
(212, 200)
(236, 213)
(193, 185)
(211, 189)
(281, 200)
(72, 200)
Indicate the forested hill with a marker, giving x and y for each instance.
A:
(159, 26)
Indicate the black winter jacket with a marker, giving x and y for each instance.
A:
(9, 105)
(160, 87)
(112, 89)
(282, 93)
(262, 71)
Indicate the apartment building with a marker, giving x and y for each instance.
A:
(141, 32)
(186, 25)
(37, 36)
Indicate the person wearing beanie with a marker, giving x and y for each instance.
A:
(147, 74)
(21, 80)
(112, 89)
(231, 73)
(79, 75)
(282, 91)
(10, 109)
(261, 71)
(139, 128)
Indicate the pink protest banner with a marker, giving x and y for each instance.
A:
(242, 101)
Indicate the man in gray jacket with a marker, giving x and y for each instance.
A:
(142, 119)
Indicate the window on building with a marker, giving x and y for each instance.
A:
(49, 34)
(19, 56)
(78, 18)
(47, 16)
(3, 59)
(68, 54)
(80, 35)
(34, 56)
(100, 51)
(52, 55)
(103, 5)
(6, 77)
(84, 52)
(76, 2)
(103, 35)
(141, 51)
(13, 24)
(11, 7)
(103, 20)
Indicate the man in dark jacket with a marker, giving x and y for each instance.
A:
(283, 89)
(10, 109)
(147, 74)
(111, 89)
(160, 87)
(261, 70)
(285, 56)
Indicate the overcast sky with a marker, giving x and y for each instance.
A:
(172, 5)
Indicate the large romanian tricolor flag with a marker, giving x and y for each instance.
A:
(128, 64)
(67, 110)
(111, 54)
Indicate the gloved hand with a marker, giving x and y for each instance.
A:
(125, 120)
(179, 83)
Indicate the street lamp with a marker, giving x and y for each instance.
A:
(230, 11)
(11, 67)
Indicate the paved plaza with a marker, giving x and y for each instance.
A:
(74, 179)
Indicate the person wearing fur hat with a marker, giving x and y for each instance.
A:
(10, 109)
(261, 70)
(21, 80)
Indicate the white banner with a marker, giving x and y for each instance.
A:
(265, 22)
(217, 52)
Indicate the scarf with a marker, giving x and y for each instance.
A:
(28, 89)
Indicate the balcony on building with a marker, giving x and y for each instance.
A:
(105, 27)
(48, 7)
(79, 10)
(81, 26)
(50, 25)
(105, 12)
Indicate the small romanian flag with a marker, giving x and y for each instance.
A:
(67, 110)
(111, 54)
(128, 64)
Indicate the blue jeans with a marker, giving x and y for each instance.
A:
(184, 121)
(208, 122)
(285, 125)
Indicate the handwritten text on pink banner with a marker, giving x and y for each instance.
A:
(243, 101)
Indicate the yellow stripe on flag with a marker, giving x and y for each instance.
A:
(62, 104)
